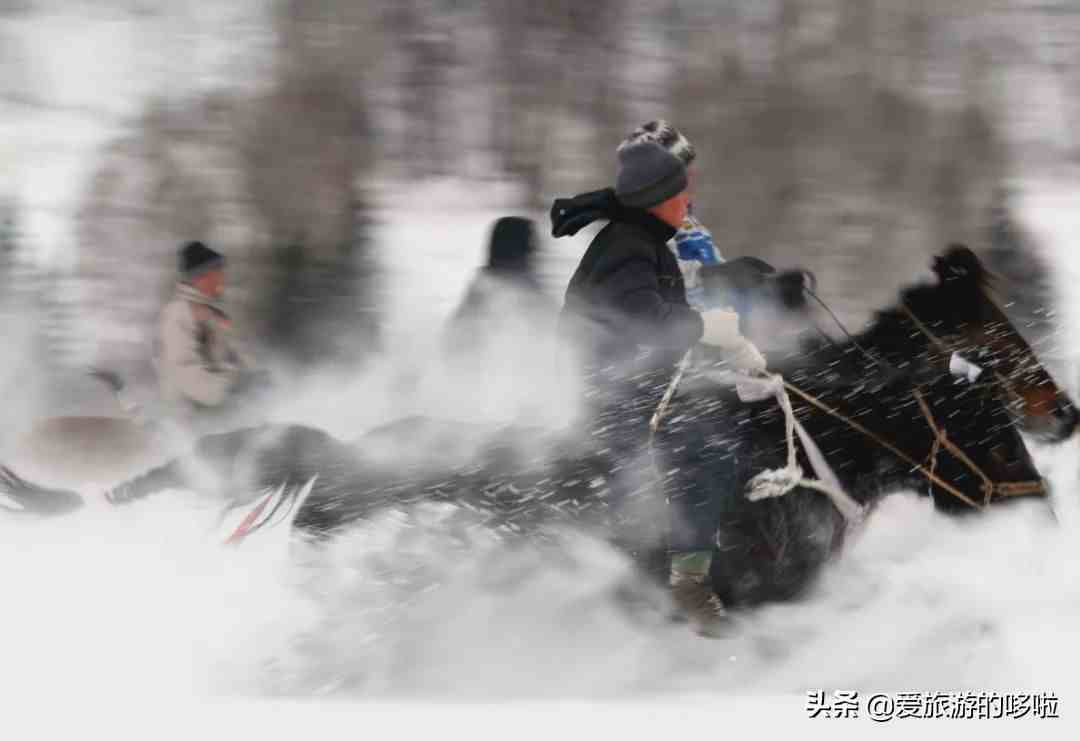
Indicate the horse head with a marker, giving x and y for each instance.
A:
(962, 316)
(905, 366)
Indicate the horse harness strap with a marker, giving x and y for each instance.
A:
(925, 330)
(989, 486)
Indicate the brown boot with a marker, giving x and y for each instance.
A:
(693, 593)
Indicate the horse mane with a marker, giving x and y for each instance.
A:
(955, 298)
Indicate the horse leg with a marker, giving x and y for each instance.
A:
(22, 497)
(206, 469)
(170, 476)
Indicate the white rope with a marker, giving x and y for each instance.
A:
(776, 482)
(673, 385)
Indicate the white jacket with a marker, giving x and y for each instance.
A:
(196, 359)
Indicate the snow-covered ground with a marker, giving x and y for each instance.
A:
(143, 607)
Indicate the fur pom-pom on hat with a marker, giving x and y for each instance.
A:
(664, 134)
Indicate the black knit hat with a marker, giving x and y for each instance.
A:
(196, 258)
(513, 240)
(648, 175)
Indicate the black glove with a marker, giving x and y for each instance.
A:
(735, 282)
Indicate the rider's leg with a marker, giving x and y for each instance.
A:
(636, 508)
(698, 452)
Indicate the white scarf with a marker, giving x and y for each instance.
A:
(188, 292)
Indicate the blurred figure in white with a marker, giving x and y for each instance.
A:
(201, 368)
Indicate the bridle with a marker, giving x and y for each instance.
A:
(928, 468)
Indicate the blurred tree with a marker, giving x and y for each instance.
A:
(853, 137)
(8, 230)
(306, 149)
(559, 88)
(819, 143)
(273, 176)
(153, 189)
(36, 320)
(424, 48)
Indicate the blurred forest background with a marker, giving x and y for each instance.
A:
(852, 137)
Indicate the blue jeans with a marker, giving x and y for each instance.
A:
(703, 459)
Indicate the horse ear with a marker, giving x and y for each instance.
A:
(960, 254)
(938, 266)
(959, 261)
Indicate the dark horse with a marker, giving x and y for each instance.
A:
(888, 414)
(883, 407)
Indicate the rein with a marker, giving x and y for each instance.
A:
(920, 467)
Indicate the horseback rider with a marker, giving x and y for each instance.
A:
(202, 370)
(497, 342)
(626, 311)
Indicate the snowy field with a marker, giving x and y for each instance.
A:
(143, 608)
(137, 623)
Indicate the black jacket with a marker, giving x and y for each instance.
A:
(627, 293)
